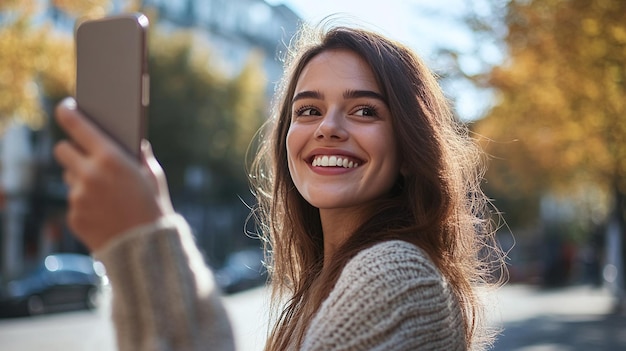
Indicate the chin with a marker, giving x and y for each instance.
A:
(326, 203)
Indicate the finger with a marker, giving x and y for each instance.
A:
(151, 163)
(68, 178)
(69, 156)
(148, 158)
(82, 131)
(157, 174)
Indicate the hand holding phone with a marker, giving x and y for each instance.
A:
(108, 192)
(112, 81)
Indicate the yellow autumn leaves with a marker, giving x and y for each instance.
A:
(36, 59)
(560, 115)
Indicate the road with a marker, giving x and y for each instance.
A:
(572, 319)
(71, 331)
(93, 331)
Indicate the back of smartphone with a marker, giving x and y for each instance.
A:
(112, 79)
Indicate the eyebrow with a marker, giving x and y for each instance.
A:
(307, 95)
(348, 94)
(354, 94)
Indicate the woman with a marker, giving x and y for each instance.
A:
(368, 199)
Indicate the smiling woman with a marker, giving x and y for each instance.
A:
(368, 201)
(373, 176)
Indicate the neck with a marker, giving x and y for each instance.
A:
(337, 226)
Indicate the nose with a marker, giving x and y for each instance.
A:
(332, 126)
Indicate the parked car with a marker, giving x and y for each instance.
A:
(60, 282)
(242, 270)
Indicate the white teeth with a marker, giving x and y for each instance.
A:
(334, 161)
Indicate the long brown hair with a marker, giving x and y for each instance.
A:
(436, 204)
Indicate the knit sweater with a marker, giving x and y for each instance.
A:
(388, 297)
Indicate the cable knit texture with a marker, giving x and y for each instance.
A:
(388, 297)
(164, 296)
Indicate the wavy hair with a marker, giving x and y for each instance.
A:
(436, 204)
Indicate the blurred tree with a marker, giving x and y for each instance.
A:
(200, 119)
(559, 121)
(36, 61)
(200, 124)
(250, 103)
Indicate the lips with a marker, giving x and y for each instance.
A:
(334, 161)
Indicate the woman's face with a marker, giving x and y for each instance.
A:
(340, 145)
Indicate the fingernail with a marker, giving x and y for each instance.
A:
(146, 149)
(145, 145)
(69, 103)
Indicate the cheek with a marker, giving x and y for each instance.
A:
(382, 144)
(392, 160)
(293, 144)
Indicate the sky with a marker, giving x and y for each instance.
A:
(423, 25)
(418, 23)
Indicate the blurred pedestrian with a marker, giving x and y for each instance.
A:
(368, 201)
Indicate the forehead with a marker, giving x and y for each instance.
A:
(339, 68)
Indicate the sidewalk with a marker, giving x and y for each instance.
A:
(568, 319)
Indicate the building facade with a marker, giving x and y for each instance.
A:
(234, 28)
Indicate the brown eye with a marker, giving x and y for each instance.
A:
(307, 111)
(366, 111)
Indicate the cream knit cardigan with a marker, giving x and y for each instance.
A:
(389, 297)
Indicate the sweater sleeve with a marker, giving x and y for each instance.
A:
(164, 296)
(389, 297)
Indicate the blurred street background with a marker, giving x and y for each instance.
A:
(541, 84)
(575, 318)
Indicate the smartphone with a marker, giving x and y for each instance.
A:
(112, 80)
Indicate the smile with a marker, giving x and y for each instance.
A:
(334, 161)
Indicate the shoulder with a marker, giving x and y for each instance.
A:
(392, 258)
(389, 294)
(379, 273)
